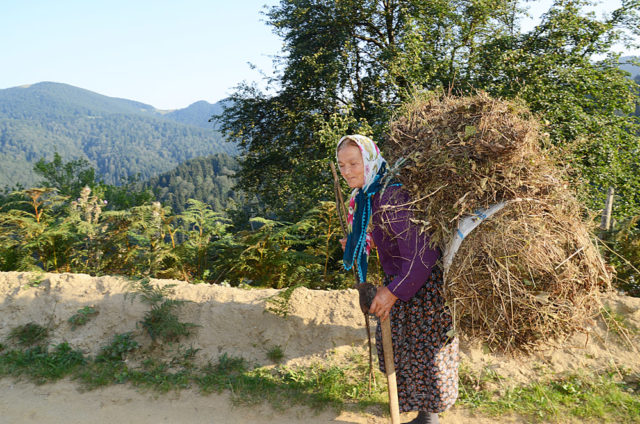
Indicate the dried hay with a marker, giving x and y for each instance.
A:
(528, 274)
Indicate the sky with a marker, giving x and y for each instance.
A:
(168, 54)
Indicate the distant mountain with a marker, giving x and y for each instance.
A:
(626, 65)
(120, 137)
(197, 114)
(208, 179)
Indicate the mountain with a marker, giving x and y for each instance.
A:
(120, 137)
(197, 114)
(626, 65)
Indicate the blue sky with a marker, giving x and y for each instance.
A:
(168, 54)
(165, 53)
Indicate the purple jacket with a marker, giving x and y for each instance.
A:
(404, 252)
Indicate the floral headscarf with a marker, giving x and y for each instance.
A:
(359, 240)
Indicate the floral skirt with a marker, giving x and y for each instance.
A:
(426, 359)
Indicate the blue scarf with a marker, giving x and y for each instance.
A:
(355, 248)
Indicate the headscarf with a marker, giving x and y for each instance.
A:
(359, 240)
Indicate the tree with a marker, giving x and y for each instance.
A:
(348, 64)
(68, 178)
(586, 104)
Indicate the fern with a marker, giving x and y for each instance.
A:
(161, 320)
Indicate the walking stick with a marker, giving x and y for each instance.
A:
(365, 300)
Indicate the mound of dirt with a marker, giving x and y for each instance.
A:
(236, 322)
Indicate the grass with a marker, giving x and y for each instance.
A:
(578, 397)
(40, 364)
(317, 385)
(275, 354)
(29, 334)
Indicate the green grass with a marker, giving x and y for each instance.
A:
(28, 334)
(582, 398)
(41, 365)
(611, 397)
(120, 346)
(317, 385)
(275, 354)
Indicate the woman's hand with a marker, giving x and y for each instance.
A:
(343, 242)
(382, 303)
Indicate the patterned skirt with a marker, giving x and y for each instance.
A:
(426, 359)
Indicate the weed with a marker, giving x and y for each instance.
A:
(161, 321)
(103, 373)
(82, 316)
(190, 353)
(275, 354)
(215, 378)
(40, 364)
(185, 357)
(566, 398)
(120, 346)
(159, 376)
(316, 385)
(617, 323)
(279, 303)
(29, 334)
(36, 279)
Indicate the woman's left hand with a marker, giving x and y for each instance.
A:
(382, 303)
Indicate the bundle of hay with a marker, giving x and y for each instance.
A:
(528, 274)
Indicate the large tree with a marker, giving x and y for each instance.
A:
(348, 64)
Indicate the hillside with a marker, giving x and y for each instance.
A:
(207, 179)
(120, 137)
(197, 114)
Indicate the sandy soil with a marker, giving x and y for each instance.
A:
(321, 325)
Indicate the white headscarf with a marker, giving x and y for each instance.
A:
(359, 239)
(371, 157)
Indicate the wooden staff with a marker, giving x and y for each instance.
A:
(387, 343)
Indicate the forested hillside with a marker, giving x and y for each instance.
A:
(207, 179)
(197, 114)
(120, 138)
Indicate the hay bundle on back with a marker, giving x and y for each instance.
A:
(529, 273)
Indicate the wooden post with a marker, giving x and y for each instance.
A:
(605, 224)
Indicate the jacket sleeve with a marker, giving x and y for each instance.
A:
(416, 257)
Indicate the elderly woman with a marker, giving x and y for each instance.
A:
(425, 354)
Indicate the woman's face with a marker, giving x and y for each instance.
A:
(351, 165)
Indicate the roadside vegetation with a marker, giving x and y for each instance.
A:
(610, 397)
(155, 358)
